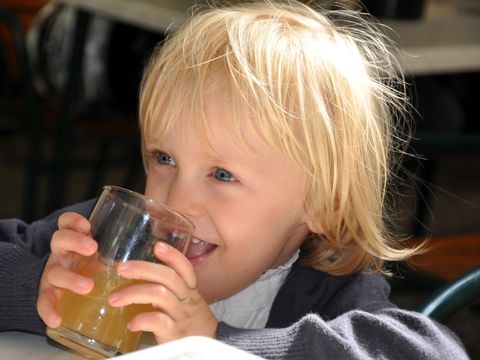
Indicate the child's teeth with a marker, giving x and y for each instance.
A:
(196, 241)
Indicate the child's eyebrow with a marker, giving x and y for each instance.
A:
(238, 159)
(151, 142)
(224, 158)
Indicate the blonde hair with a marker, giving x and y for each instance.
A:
(324, 89)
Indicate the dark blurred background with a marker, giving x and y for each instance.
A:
(64, 132)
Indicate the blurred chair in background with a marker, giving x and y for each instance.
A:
(102, 62)
(446, 258)
(447, 125)
(92, 67)
(19, 107)
(454, 296)
(77, 108)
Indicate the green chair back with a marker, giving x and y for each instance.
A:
(453, 296)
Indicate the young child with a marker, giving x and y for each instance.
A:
(273, 127)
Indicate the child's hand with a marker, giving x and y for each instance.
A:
(73, 238)
(171, 288)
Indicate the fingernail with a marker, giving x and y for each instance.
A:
(113, 298)
(122, 267)
(54, 320)
(162, 247)
(85, 284)
(88, 244)
(130, 327)
(85, 225)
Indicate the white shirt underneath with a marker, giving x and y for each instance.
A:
(249, 308)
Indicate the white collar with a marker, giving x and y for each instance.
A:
(250, 307)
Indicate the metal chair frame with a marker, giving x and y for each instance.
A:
(453, 296)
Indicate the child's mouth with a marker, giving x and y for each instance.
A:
(199, 250)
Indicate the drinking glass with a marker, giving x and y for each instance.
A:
(126, 226)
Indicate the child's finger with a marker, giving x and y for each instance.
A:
(155, 273)
(46, 307)
(60, 277)
(159, 296)
(67, 241)
(177, 261)
(155, 322)
(74, 221)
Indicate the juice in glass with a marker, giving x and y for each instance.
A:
(92, 317)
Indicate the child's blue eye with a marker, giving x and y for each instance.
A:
(164, 159)
(223, 175)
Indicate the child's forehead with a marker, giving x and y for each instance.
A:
(213, 126)
(215, 110)
(220, 112)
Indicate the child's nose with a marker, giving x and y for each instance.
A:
(184, 197)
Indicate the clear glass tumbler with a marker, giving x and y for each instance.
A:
(126, 225)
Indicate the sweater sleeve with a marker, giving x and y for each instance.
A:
(388, 334)
(320, 316)
(24, 250)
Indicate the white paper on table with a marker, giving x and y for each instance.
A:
(190, 348)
